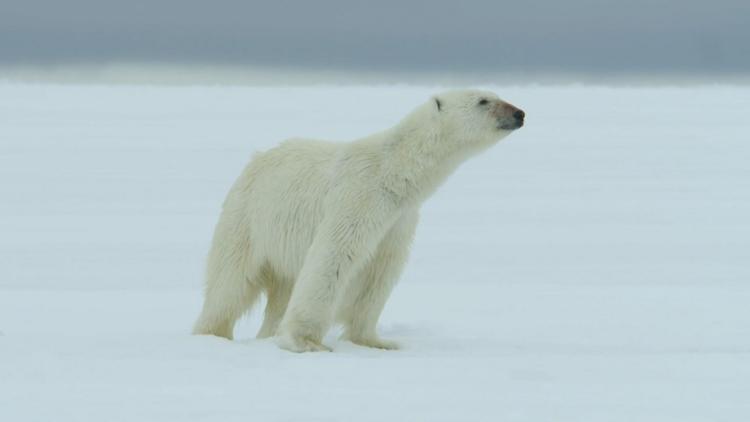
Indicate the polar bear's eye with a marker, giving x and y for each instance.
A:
(483, 101)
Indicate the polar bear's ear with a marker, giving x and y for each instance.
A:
(438, 104)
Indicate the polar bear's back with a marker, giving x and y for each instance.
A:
(280, 195)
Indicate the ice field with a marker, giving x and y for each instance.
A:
(593, 266)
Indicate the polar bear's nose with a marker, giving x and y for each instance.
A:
(519, 115)
(510, 117)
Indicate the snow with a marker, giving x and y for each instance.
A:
(592, 267)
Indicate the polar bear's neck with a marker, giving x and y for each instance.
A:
(418, 157)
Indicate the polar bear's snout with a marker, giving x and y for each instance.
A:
(509, 117)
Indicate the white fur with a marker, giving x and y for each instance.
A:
(324, 229)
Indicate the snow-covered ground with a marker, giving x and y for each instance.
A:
(595, 266)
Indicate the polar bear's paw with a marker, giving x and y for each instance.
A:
(375, 342)
(300, 344)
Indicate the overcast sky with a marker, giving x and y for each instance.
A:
(440, 35)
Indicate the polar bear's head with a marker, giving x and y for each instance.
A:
(477, 118)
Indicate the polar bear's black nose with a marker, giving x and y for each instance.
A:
(519, 115)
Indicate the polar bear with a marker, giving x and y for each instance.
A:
(324, 229)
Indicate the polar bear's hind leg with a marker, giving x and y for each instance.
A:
(232, 285)
(225, 303)
(278, 290)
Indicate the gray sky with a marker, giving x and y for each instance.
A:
(526, 35)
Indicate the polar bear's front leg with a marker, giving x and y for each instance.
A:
(369, 293)
(340, 248)
(307, 317)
